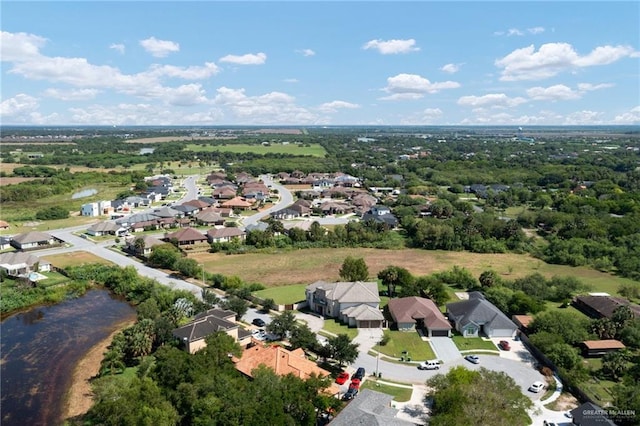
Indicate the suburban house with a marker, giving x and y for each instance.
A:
(603, 305)
(381, 214)
(477, 316)
(105, 228)
(96, 209)
(142, 245)
(522, 321)
(237, 203)
(369, 408)
(589, 414)
(411, 313)
(5, 243)
(20, 264)
(354, 303)
(595, 348)
(34, 240)
(193, 334)
(187, 237)
(225, 235)
(282, 362)
(210, 216)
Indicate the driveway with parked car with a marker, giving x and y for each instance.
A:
(253, 314)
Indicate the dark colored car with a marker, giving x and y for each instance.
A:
(472, 359)
(259, 322)
(504, 345)
(359, 374)
(351, 393)
(342, 378)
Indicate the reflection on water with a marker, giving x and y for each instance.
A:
(84, 193)
(40, 349)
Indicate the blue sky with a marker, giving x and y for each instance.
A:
(320, 63)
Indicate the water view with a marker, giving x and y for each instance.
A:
(84, 193)
(41, 347)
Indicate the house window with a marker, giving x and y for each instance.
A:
(471, 331)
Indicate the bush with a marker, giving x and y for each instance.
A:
(52, 213)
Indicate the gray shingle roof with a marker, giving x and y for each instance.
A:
(369, 408)
(32, 237)
(479, 311)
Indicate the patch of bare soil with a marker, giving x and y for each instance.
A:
(565, 402)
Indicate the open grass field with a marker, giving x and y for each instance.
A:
(400, 394)
(410, 341)
(314, 150)
(306, 266)
(75, 258)
(283, 295)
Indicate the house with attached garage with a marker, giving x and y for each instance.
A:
(193, 334)
(20, 264)
(477, 316)
(410, 313)
(34, 240)
(354, 303)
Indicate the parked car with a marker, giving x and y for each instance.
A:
(504, 345)
(342, 378)
(355, 383)
(359, 374)
(258, 322)
(351, 393)
(472, 359)
(429, 365)
(536, 387)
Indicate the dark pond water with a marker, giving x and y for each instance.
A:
(40, 349)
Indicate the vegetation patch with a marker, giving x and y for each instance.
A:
(336, 327)
(283, 295)
(410, 341)
(473, 343)
(76, 258)
(400, 394)
(314, 150)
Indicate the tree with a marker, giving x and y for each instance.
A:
(604, 328)
(620, 317)
(614, 364)
(164, 256)
(483, 397)
(489, 279)
(630, 334)
(282, 324)
(237, 305)
(302, 337)
(393, 276)
(354, 269)
(139, 245)
(268, 305)
(563, 355)
(342, 350)
(570, 327)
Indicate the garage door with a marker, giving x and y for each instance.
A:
(440, 333)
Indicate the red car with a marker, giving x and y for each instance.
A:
(355, 384)
(504, 345)
(342, 378)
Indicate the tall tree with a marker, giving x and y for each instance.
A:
(393, 276)
(342, 350)
(282, 324)
(354, 269)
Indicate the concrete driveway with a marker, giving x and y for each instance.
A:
(253, 313)
(315, 322)
(444, 349)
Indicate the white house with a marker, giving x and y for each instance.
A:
(17, 264)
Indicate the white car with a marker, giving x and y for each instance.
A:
(536, 387)
(429, 365)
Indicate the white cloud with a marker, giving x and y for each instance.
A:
(450, 68)
(630, 117)
(72, 94)
(159, 48)
(559, 92)
(516, 32)
(18, 105)
(587, 87)
(535, 30)
(413, 86)
(291, 80)
(581, 118)
(427, 116)
(188, 73)
(334, 106)
(553, 58)
(306, 52)
(142, 114)
(117, 46)
(270, 108)
(19, 46)
(492, 100)
(391, 47)
(248, 59)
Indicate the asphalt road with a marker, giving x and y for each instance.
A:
(286, 199)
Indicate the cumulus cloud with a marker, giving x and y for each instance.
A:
(19, 46)
(306, 52)
(552, 58)
(413, 86)
(291, 80)
(587, 87)
(142, 114)
(270, 108)
(159, 48)
(492, 100)
(630, 117)
(193, 72)
(450, 68)
(427, 116)
(580, 118)
(118, 47)
(392, 47)
(71, 94)
(17, 105)
(516, 32)
(560, 92)
(334, 106)
(248, 59)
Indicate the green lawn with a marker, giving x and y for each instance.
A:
(400, 394)
(336, 327)
(400, 341)
(283, 295)
(473, 343)
(599, 391)
(314, 150)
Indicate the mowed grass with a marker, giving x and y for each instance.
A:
(75, 258)
(314, 150)
(410, 341)
(336, 327)
(400, 394)
(310, 265)
(473, 343)
(283, 295)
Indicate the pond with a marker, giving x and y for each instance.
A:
(41, 347)
(84, 193)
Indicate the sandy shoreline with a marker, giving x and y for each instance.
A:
(79, 396)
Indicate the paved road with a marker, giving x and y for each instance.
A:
(286, 199)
